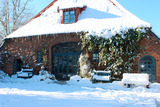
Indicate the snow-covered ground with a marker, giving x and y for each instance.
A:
(15, 92)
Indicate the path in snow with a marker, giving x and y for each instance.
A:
(24, 93)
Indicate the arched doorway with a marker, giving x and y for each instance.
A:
(147, 64)
(17, 66)
(65, 60)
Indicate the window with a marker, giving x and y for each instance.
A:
(39, 57)
(17, 66)
(65, 59)
(147, 64)
(95, 56)
(69, 16)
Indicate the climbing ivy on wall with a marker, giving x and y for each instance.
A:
(45, 57)
(116, 53)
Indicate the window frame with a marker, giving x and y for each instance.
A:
(67, 18)
(95, 55)
(39, 57)
(147, 64)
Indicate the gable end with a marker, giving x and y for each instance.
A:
(39, 14)
(154, 35)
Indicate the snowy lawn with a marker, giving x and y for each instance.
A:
(32, 92)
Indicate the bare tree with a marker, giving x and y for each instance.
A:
(13, 14)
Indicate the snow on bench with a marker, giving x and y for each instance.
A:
(25, 73)
(135, 79)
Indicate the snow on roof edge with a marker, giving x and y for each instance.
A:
(42, 11)
(119, 6)
(40, 35)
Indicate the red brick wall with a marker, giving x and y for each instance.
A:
(149, 46)
(26, 49)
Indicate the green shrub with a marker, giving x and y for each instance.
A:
(116, 53)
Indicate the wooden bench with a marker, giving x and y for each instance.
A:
(137, 79)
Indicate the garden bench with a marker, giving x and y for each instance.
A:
(137, 79)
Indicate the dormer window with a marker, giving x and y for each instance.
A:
(69, 16)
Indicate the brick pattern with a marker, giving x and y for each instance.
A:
(26, 49)
(150, 45)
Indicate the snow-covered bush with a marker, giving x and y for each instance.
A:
(43, 74)
(2, 74)
(1, 62)
(74, 79)
(78, 81)
(118, 52)
(85, 66)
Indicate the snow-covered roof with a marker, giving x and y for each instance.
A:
(106, 16)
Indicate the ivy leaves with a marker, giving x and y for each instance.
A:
(91, 42)
(116, 53)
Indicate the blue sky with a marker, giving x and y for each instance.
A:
(147, 10)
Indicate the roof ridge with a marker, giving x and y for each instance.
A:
(108, 14)
(113, 3)
(51, 4)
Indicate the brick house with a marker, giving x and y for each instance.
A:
(55, 31)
